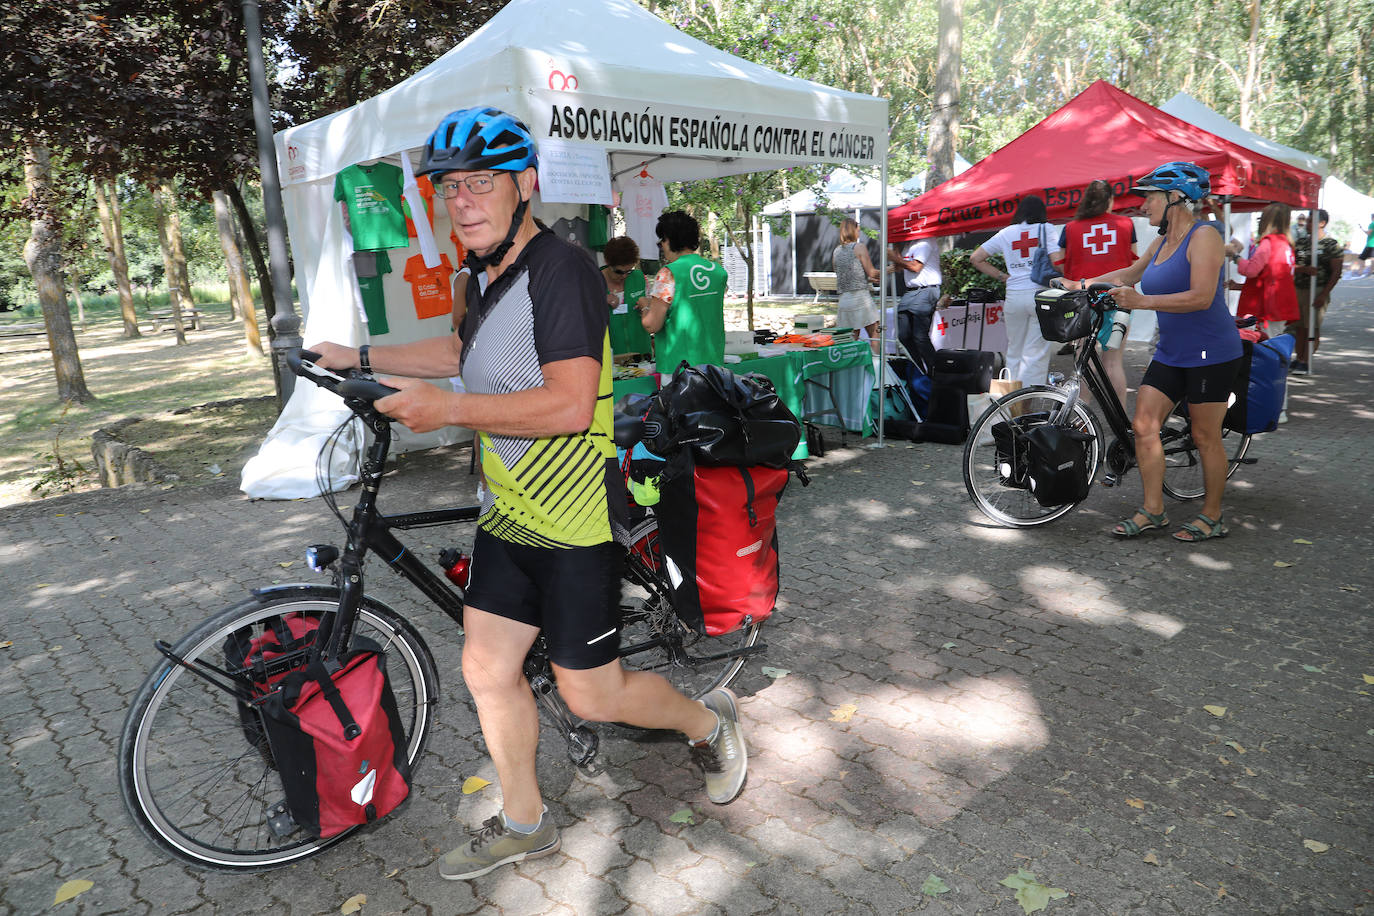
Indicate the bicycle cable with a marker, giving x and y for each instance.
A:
(322, 480)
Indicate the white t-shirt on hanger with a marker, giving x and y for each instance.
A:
(643, 200)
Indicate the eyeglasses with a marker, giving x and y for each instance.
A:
(621, 271)
(476, 184)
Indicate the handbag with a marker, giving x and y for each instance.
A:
(1042, 268)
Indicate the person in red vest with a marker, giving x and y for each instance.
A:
(1268, 291)
(1097, 241)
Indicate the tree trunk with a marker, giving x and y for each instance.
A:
(1253, 51)
(112, 228)
(944, 121)
(164, 237)
(250, 235)
(174, 235)
(238, 276)
(43, 255)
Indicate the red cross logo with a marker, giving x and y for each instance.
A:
(1026, 243)
(1100, 238)
(941, 326)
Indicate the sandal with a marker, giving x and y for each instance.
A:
(1191, 533)
(1129, 528)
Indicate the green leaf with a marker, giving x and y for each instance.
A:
(1030, 893)
(683, 816)
(934, 885)
(1311, 669)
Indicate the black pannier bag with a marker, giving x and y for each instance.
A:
(1064, 315)
(1057, 469)
(721, 419)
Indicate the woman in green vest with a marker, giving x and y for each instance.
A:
(625, 284)
(685, 311)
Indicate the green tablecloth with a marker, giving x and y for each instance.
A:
(628, 334)
(806, 380)
(643, 385)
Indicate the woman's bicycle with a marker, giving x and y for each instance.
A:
(195, 770)
(997, 459)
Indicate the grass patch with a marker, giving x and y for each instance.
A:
(144, 377)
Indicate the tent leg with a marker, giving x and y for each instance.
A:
(881, 375)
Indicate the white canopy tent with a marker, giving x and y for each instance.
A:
(602, 72)
(1184, 107)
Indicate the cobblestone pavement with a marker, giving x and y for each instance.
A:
(961, 700)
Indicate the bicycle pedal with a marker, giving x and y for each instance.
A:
(280, 821)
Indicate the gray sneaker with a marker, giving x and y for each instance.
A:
(724, 761)
(494, 845)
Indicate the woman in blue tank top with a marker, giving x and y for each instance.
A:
(1199, 350)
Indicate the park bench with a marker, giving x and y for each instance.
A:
(190, 318)
(23, 330)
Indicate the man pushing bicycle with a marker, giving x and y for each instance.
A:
(534, 355)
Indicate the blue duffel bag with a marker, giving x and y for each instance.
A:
(1264, 382)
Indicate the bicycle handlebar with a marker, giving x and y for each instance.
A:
(353, 386)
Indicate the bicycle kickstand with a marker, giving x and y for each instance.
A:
(582, 741)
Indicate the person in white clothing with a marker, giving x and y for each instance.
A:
(920, 264)
(1028, 353)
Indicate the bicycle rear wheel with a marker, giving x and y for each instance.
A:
(996, 478)
(653, 638)
(196, 774)
(1182, 465)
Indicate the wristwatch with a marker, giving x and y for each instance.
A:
(364, 360)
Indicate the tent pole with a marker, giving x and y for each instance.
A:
(881, 381)
(1310, 312)
(1226, 237)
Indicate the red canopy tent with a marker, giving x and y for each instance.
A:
(1100, 133)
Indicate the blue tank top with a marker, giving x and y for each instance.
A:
(1187, 339)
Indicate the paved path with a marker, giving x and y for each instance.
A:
(1015, 700)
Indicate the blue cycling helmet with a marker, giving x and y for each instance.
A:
(472, 139)
(1189, 179)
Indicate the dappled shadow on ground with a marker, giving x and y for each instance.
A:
(1155, 728)
(130, 378)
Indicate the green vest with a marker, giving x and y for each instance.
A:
(695, 327)
(627, 331)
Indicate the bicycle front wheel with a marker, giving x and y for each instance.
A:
(1182, 464)
(195, 771)
(995, 473)
(653, 637)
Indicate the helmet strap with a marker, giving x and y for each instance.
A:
(1164, 219)
(477, 261)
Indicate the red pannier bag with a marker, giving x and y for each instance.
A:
(718, 531)
(338, 744)
(271, 655)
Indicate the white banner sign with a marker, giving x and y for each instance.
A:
(573, 173)
(619, 125)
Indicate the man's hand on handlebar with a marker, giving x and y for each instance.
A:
(335, 356)
(420, 406)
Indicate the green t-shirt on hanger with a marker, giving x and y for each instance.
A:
(372, 194)
(372, 270)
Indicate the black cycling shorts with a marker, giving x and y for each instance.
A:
(1197, 384)
(571, 594)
